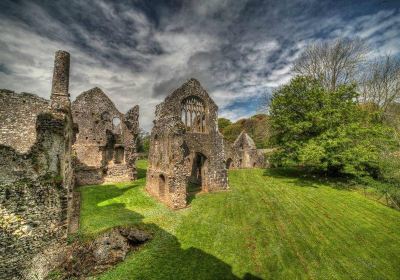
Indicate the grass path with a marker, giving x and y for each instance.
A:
(267, 226)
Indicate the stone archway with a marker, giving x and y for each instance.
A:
(198, 172)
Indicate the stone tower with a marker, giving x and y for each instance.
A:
(59, 90)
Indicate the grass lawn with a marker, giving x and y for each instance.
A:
(268, 226)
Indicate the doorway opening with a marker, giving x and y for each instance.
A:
(161, 185)
(196, 181)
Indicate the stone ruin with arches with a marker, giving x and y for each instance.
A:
(47, 147)
(243, 153)
(186, 149)
(105, 146)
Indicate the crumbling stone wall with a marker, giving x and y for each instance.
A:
(186, 148)
(36, 172)
(105, 147)
(18, 114)
(243, 153)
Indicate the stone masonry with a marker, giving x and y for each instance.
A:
(105, 147)
(36, 172)
(186, 149)
(41, 159)
(243, 153)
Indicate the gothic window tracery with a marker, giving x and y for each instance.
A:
(193, 114)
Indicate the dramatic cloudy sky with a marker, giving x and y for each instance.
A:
(139, 51)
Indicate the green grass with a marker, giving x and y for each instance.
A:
(269, 225)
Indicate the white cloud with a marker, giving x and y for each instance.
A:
(123, 51)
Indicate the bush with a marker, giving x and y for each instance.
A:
(327, 130)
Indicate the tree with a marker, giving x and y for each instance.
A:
(222, 123)
(326, 130)
(380, 85)
(256, 126)
(143, 142)
(332, 63)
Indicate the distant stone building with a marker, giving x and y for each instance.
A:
(36, 172)
(186, 149)
(243, 153)
(105, 147)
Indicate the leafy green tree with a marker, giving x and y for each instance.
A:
(222, 123)
(143, 142)
(326, 130)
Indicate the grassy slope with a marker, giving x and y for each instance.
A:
(267, 226)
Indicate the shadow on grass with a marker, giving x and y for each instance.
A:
(163, 258)
(192, 191)
(141, 172)
(303, 178)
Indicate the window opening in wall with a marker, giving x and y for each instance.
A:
(193, 114)
(116, 125)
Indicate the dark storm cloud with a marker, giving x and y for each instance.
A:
(139, 51)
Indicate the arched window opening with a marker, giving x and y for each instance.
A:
(116, 125)
(193, 114)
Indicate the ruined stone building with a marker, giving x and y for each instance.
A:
(243, 153)
(186, 149)
(36, 171)
(105, 147)
(45, 147)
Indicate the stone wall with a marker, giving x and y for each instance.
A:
(243, 153)
(18, 113)
(36, 174)
(105, 147)
(33, 214)
(35, 190)
(186, 150)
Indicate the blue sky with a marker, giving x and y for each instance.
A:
(140, 51)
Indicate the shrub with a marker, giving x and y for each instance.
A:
(327, 130)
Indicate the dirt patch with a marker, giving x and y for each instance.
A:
(84, 259)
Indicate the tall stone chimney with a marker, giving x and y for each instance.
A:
(59, 90)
